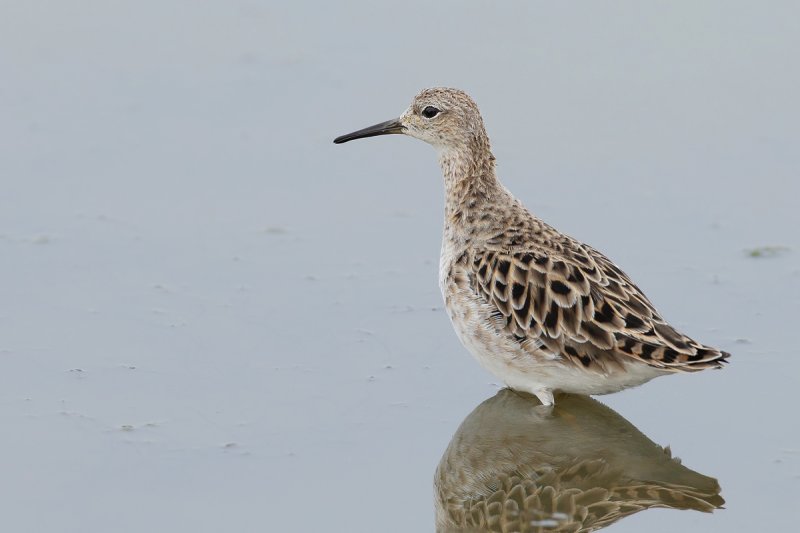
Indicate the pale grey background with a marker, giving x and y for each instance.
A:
(213, 319)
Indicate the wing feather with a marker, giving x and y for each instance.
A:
(575, 301)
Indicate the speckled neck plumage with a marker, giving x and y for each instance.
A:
(472, 190)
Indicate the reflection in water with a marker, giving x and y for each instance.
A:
(516, 466)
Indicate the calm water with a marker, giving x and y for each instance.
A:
(213, 319)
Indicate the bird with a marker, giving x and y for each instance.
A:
(580, 467)
(542, 311)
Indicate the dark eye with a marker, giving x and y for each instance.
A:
(430, 112)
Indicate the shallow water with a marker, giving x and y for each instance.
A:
(212, 318)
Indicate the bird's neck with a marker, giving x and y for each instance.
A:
(471, 188)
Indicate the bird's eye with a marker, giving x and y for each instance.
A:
(430, 112)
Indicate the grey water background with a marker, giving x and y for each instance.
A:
(212, 318)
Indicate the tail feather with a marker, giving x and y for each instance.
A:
(693, 359)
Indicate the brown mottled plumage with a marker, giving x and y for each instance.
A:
(580, 467)
(541, 310)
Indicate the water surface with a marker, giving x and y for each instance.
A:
(212, 318)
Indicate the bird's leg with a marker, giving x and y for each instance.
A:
(545, 396)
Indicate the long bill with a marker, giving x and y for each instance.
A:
(384, 128)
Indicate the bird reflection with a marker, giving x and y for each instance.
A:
(514, 465)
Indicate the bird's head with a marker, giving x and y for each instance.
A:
(448, 119)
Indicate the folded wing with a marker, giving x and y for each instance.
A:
(576, 302)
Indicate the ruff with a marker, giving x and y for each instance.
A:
(539, 309)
